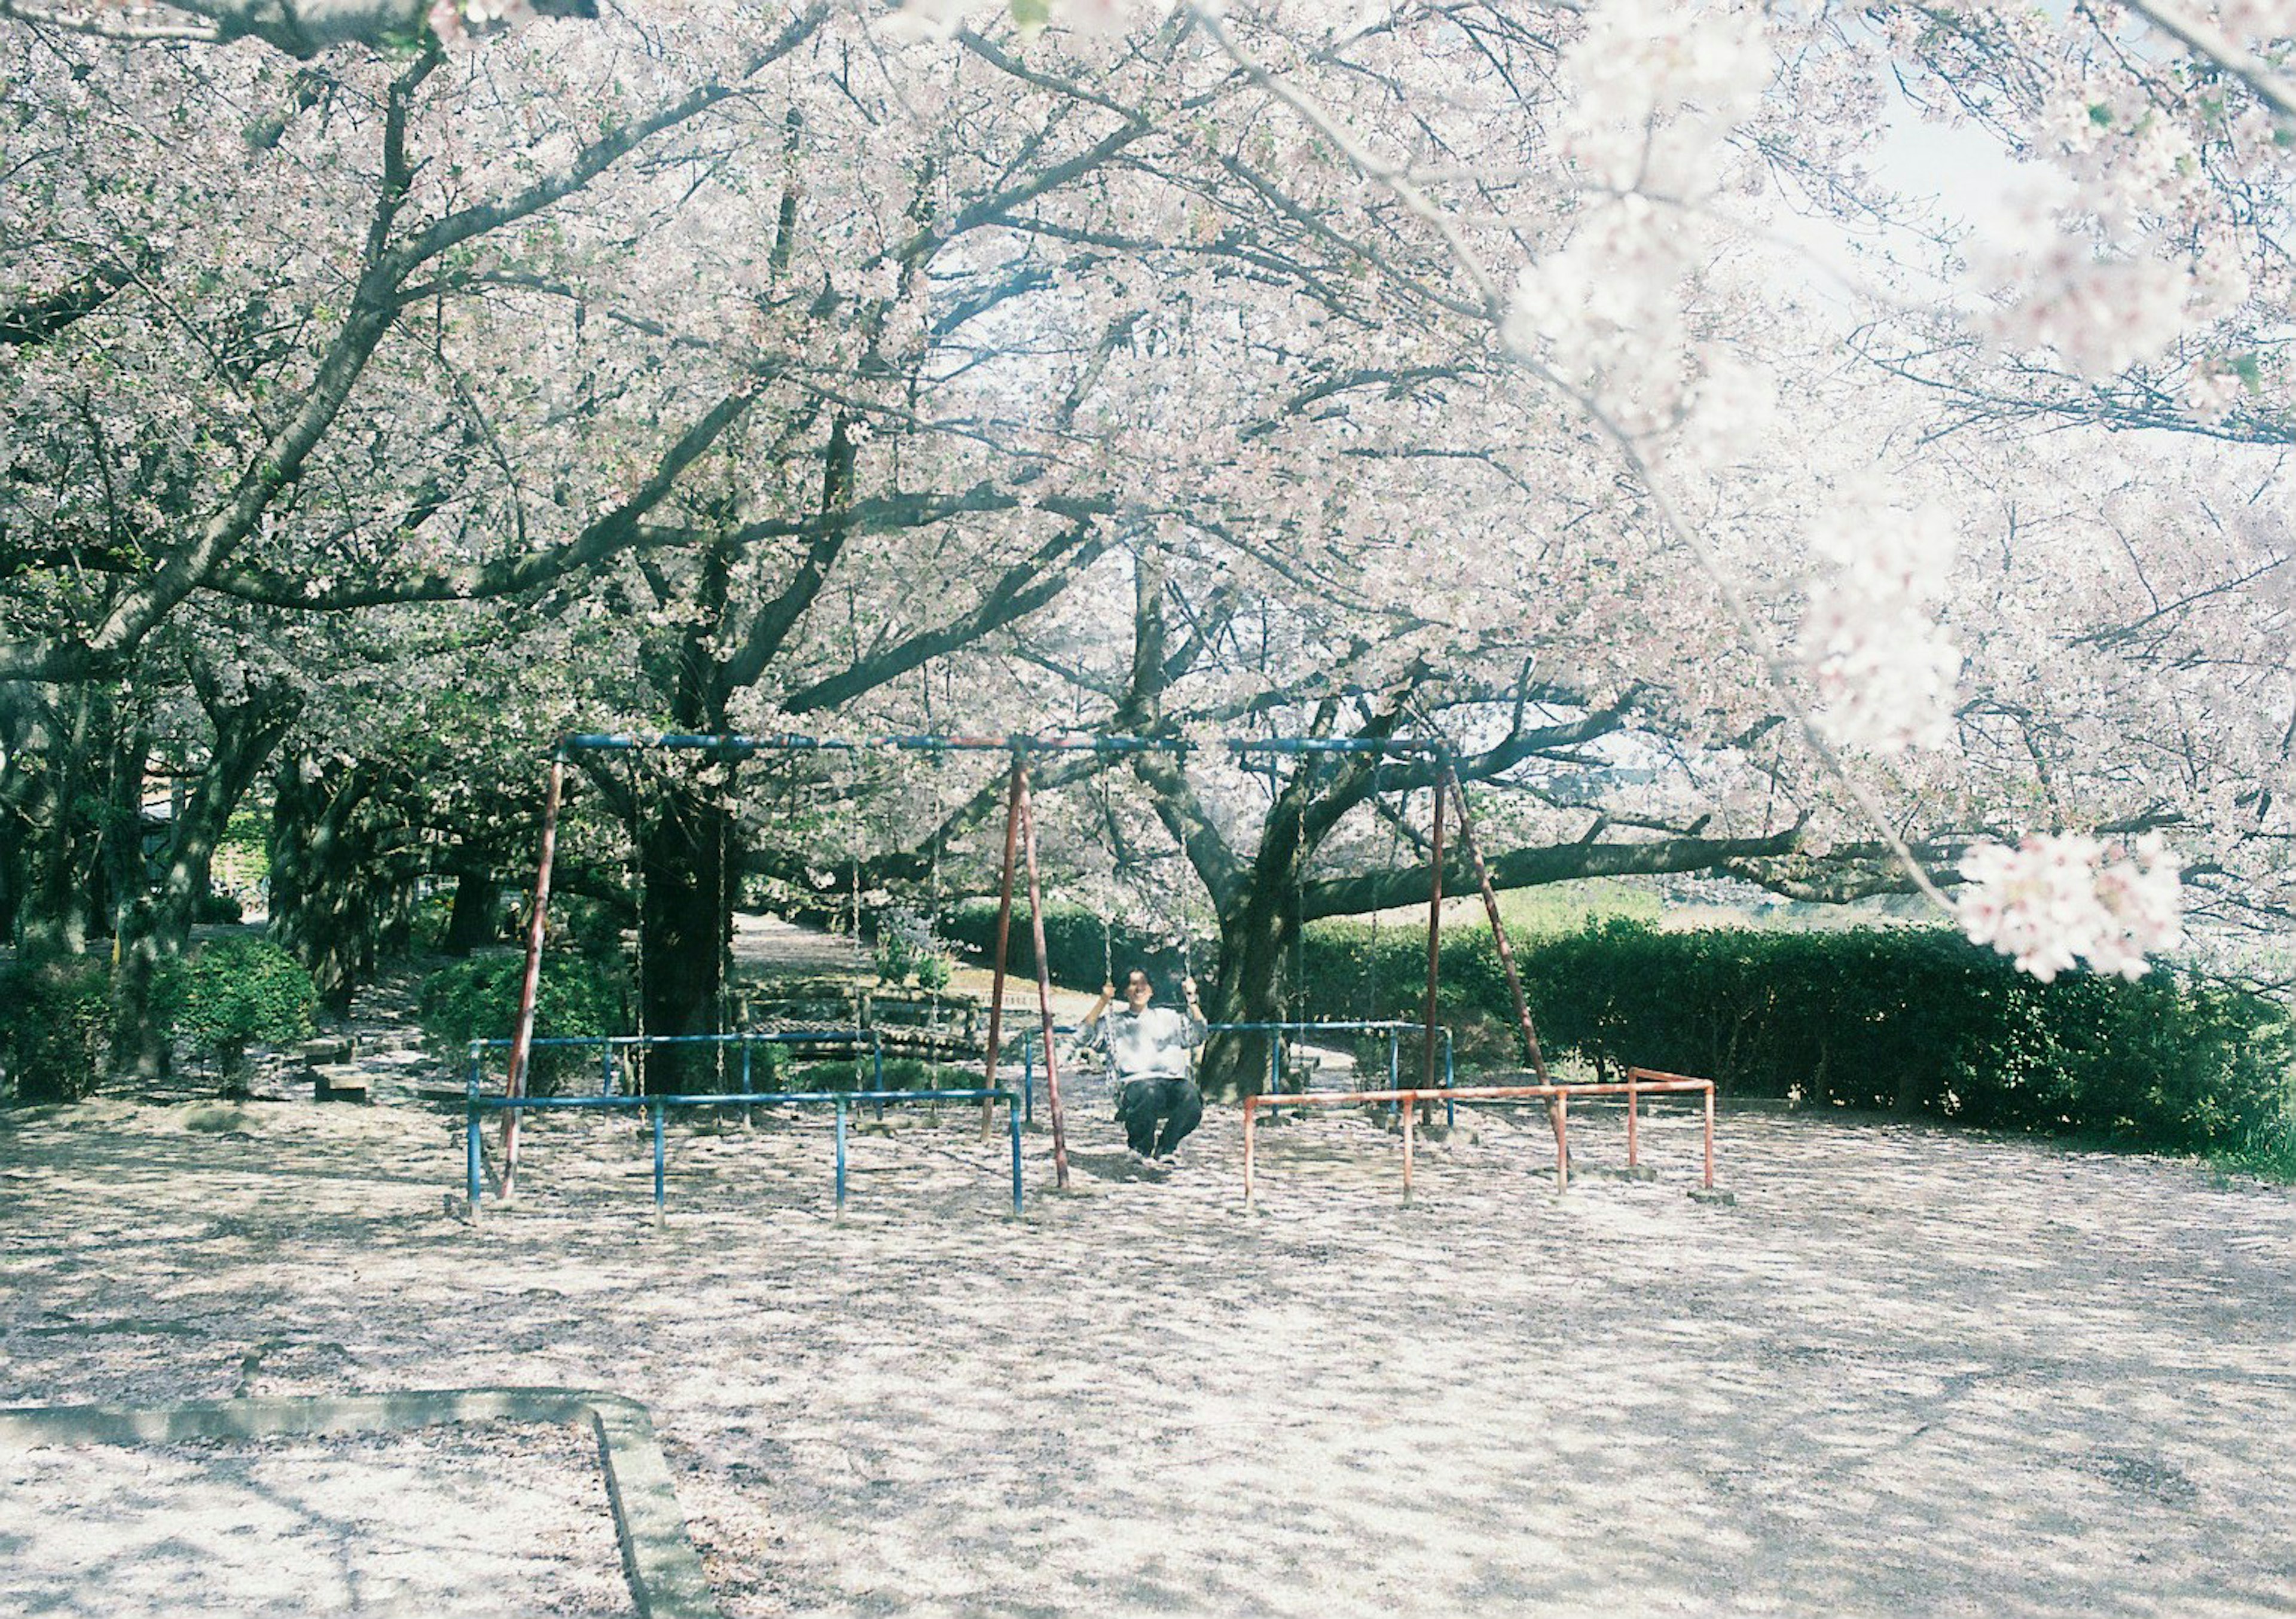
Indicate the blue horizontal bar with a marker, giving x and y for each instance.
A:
(1400, 1025)
(1029, 742)
(1404, 747)
(629, 741)
(505, 1104)
(1397, 1024)
(733, 743)
(780, 1037)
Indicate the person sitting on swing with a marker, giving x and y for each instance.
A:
(1148, 1051)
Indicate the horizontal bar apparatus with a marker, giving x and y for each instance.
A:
(843, 1101)
(1394, 1028)
(834, 1034)
(737, 746)
(1638, 1083)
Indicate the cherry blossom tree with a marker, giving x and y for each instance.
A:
(1175, 369)
(1678, 131)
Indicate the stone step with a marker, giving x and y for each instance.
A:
(377, 1041)
(338, 1082)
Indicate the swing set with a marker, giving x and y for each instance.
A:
(1020, 859)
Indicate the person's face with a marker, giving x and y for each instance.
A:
(1137, 991)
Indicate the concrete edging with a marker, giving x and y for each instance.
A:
(665, 1574)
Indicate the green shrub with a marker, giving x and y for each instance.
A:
(896, 957)
(1913, 1021)
(217, 906)
(432, 912)
(2267, 1150)
(53, 1020)
(476, 999)
(235, 993)
(1073, 943)
(847, 1073)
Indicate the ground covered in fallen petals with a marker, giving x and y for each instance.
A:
(1907, 1371)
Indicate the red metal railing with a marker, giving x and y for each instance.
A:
(1638, 1083)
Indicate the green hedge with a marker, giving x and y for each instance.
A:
(859, 1074)
(1914, 1021)
(53, 1020)
(1073, 945)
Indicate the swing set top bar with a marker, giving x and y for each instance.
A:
(1055, 742)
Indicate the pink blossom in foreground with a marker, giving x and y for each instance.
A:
(2057, 899)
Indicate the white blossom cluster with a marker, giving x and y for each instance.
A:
(1606, 310)
(2098, 254)
(2101, 316)
(2058, 899)
(2256, 19)
(1658, 86)
(456, 20)
(1883, 667)
(941, 19)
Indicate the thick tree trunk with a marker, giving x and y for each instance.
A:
(476, 919)
(687, 845)
(327, 885)
(1258, 942)
(155, 930)
(73, 801)
(19, 786)
(141, 1044)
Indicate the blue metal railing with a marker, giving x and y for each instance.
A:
(735, 745)
(747, 1041)
(477, 1103)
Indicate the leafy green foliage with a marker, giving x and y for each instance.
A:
(476, 999)
(215, 906)
(54, 1016)
(1912, 1021)
(235, 993)
(896, 957)
(847, 1073)
(1072, 944)
(2269, 1149)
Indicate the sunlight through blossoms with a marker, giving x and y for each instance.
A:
(1659, 89)
(457, 22)
(1883, 667)
(2058, 899)
(2098, 256)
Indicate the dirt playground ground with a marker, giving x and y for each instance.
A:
(1908, 1371)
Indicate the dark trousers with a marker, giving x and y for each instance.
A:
(1143, 1104)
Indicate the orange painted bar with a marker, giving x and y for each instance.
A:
(1410, 1124)
(521, 1045)
(1645, 1082)
(1043, 974)
(1004, 942)
(1709, 1137)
